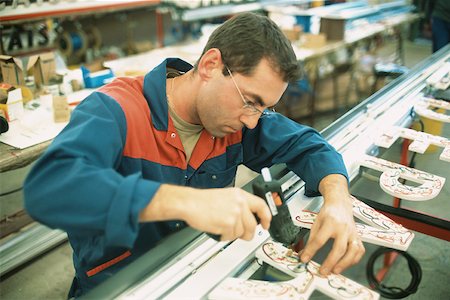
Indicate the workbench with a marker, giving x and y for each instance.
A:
(12, 158)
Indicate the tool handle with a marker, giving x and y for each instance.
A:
(282, 229)
(272, 194)
(218, 236)
(214, 236)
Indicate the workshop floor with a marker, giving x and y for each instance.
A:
(50, 276)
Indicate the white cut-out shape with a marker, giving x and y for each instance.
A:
(445, 155)
(379, 229)
(307, 280)
(430, 185)
(387, 137)
(242, 289)
(440, 79)
(421, 140)
(422, 108)
(428, 139)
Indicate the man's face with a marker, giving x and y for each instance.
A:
(220, 106)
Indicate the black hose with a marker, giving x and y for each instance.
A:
(394, 292)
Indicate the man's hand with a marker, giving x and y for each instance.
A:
(227, 212)
(335, 220)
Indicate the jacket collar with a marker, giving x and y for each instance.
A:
(155, 90)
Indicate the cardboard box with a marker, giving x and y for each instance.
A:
(313, 40)
(61, 110)
(15, 69)
(293, 34)
(333, 28)
(44, 67)
(94, 79)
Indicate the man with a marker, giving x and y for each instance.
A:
(440, 24)
(144, 156)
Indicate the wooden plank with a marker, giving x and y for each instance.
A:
(14, 223)
(12, 158)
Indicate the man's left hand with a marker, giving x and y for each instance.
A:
(335, 220)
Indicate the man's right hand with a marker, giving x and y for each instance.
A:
(227, 212)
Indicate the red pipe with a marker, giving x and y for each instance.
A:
(390, 257)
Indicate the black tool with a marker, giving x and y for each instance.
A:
(282, 229)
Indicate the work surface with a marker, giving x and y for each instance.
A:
(12, 158)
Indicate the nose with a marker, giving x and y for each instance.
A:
(250, 121)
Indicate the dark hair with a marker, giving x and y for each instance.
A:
(247, 38)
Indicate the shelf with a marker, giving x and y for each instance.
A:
(66, 9)
(194, 14)
(218, 11)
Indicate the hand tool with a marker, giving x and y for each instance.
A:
(282, 229)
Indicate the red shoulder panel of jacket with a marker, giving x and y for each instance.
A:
(143, 141)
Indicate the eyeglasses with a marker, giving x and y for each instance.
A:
(249, 107)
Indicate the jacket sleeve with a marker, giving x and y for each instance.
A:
(278, 139)
(74, 186)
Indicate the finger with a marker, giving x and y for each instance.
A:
(229, 235)
(317, 238)
(232, 226)
(360, 254)
(239, 228)
(337, 252)
(249, 222)
(355, 251)
(259, 206)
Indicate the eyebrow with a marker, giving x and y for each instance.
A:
(257, 99)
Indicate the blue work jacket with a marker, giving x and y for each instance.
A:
(121, 145)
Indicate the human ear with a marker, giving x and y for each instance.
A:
(210, 63)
